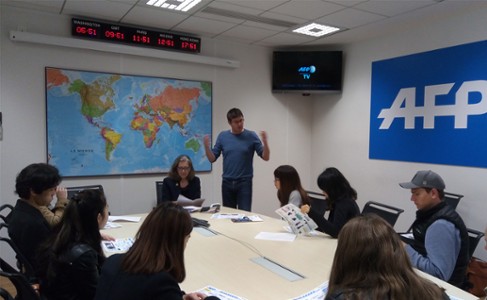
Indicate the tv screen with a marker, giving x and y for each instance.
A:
(307, 71)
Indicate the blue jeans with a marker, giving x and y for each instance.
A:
(237, 193)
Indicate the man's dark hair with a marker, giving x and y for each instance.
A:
(37, 178)
(234, 113)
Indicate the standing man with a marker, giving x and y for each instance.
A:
(440, 244)
(238, 146)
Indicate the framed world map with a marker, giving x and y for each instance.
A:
(112, 124)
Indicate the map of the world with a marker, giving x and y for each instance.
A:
(110, 124)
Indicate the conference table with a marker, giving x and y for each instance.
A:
(228, 256)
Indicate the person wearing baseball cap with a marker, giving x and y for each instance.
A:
(440, 244)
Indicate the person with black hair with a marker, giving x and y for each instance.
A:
(71, 258)
(36, 186)
(288, 185)
(341, 199)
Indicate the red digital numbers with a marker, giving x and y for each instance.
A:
(85, 30)
(188, 45)
(114, 35)
(165, 42)
(140, 39)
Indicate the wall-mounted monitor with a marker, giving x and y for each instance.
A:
(307, 72)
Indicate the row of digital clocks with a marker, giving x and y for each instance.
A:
(136, 36)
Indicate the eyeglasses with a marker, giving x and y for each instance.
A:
(183, 168)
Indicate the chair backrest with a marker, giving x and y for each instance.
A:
(474, 237)
(5, 295)
(387, 212)
(5, 212)
(159, 192)
(452, 199)
(73, 190)
(22, 262)
(318, 202)
(25, 291)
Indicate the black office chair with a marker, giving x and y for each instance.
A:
(474, 237)
(159, 185)
(5, 216)
(73, 190)
(5, 295)
(25, 290)
(318, 202)
(387, 212)
(452, 199)
(23, 264)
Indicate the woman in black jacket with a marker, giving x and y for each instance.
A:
(72, 256)
(341, 199)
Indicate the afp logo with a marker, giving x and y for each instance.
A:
(431, 107)
(306, 71)
(404, 105)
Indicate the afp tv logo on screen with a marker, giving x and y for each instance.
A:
(305, 72)
(431, 107)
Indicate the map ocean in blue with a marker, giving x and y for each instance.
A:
(77, 148)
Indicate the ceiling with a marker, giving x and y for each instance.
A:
(267, 23)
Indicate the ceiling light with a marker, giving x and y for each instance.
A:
(180, 5)
(316, 30)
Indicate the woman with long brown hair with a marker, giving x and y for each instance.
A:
(370, 263)
(288, 184)
(154, 265)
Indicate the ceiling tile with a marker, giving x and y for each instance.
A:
(285, 39)
(48, 5)
(106, 10)
(350, 18)
(202, 26)
(256, 4)
(307, 9)
(393, 7)
(232, 7)
(156, 18)
(248, 33)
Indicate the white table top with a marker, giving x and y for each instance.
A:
(224, 260)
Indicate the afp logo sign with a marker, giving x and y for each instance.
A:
(431, 107)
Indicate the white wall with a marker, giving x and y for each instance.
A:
(340, 130)
(22, 101)
(310, 133)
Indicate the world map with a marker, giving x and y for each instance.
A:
(110, 124)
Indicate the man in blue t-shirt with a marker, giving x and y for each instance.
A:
(237, 146)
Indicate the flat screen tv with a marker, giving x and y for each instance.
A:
(307, 72)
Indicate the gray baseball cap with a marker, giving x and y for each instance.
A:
(425, 179)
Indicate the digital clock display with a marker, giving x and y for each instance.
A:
(136, 36)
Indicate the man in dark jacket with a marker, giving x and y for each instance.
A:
(440, 244)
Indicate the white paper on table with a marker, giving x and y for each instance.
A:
(124, 218)
(227, 216)
(223, 295)
(110, 225)
(318, 293)
(117, 245)
(276, 236)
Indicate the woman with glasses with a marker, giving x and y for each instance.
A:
(181, 181)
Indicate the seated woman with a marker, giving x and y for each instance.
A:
(371, 263)
(181, 180)
(154, 265)
(341, 202)
(288, 184)
(72, 256)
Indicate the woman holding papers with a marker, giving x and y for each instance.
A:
(341, 202)
(370, 263)
(181, 181)
(72, 257)
(288, 185)
(154, 265)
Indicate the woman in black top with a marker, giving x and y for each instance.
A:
(154, 265)
(72, 256)
(181, 180)
(341, 199)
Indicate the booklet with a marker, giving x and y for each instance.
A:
(300, 223)
(183, 201)
(118, 245)
(223, 295)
